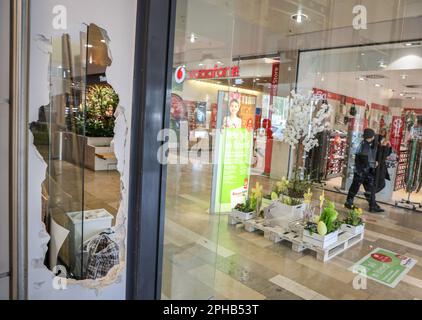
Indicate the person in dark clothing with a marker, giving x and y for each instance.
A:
(365, 171)
(384, 150)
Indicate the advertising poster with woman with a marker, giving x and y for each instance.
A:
(232, 162)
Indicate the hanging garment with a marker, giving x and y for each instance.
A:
(103, 254)
(419, 172)
(411, 170)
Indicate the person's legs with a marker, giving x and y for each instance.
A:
(370, 192)
(353, 191)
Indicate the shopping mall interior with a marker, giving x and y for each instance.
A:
(257, 53)
(270, 100)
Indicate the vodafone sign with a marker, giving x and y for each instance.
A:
(181, 74)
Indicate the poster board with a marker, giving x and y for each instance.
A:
(233, 150)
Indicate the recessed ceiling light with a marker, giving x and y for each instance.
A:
(299, 17)
(219, 62)
(377, 85)
(322, 79)
(201, 64)
(193, 38)
(401, 94)
(404, 76)
(413, 98)
(361, 79)
(412, 44)
(362, 54)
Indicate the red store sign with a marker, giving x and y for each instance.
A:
(182, 74)
(396, 133)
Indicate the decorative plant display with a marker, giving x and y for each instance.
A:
(354, 217)
(297, 187)
(291, 201)
(256, 197)
(308, 213)
(294, 189)
(354, 222)
(247, 207)
(97, 118)
(306, 120)
(327, 223)
(323, 232)
(280, 188)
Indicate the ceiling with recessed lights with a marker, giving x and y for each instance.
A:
(225, 29)
(252, 33)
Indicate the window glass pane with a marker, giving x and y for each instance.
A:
(272, 102)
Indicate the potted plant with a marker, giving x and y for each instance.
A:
(353, 223)
(95, 124)
(324, 231)
(279, 189)
(252, 207)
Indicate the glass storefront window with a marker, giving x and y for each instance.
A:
(271, 106)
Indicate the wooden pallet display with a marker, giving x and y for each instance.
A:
(277, 234)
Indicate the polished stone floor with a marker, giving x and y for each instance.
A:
(205, 258)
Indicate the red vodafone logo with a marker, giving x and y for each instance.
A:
(180, 74)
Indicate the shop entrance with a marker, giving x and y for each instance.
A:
(373, 87)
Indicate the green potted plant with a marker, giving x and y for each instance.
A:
(252, 207)
(95, 124)
(278, 190)
(324, 231)
(96, 118)
(354, 222)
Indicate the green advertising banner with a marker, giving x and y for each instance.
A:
(234, 143)
(235, 166)
(384, 266)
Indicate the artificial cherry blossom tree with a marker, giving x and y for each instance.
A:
(306, 120)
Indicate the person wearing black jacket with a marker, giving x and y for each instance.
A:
(384, 150)
(365, 172)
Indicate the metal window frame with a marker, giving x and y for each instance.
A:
(150, 114)
(19, 58)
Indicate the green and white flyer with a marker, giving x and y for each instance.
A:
(384, 266)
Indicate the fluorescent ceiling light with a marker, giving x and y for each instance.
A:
(299, 17)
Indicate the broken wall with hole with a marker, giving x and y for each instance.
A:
(50, 20)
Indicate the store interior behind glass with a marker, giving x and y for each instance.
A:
(265, 54)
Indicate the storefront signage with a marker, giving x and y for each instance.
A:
(380, 107)
(217, 72)
(327, 95)
(396, 134)
(385, 267)
(274, 81)
(415, 110)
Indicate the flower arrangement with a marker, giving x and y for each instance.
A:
(254, 202)
(306, 120)
(96, 119)
(354, 217)
(326, 223)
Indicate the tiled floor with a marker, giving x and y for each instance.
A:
(205, 258)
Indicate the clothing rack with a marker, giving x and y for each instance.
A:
(413, 175)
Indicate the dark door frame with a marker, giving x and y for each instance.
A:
(151, 101)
